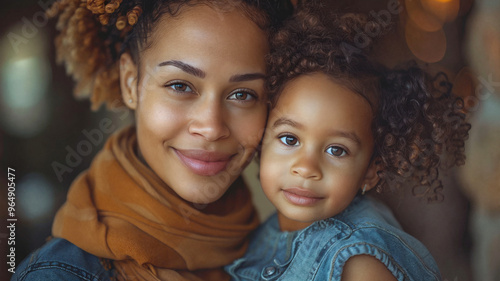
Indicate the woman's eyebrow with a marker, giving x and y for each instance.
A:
(247, 77)
(201, 74)
(185, 67)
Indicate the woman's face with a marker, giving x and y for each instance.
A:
(199, 102)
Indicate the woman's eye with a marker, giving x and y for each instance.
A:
(180, 87)
(242, 96)
(336, 151)
(289, 140)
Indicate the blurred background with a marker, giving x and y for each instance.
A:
(48, 137)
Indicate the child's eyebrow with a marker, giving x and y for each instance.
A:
(345, 134)
(348, 135)
(285, 121)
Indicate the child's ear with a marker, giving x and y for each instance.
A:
(128, 80)
(371, 176)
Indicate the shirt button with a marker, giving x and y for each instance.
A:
(270, 270)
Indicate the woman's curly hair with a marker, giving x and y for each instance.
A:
(418, 124)
(94, 33)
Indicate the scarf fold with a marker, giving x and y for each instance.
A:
(121, 210)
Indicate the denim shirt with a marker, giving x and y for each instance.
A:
(58, 259)
(320, 251)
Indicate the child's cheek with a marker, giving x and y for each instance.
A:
(271, 165)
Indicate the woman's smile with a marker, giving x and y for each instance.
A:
(204, 162)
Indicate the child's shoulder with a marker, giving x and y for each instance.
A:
(320, 251)
(376, 232)
(365, 211)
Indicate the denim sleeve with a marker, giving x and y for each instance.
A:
(402, 260)
(60, 260)
(54, 271)
(367, 249)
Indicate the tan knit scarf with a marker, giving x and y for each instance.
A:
(121, 210)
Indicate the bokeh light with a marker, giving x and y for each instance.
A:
(421, 17)
(25, 77)
(35, 197)
(430, 15)
(427, 46)
(24, 81)
(444, 10)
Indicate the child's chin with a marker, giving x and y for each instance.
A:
(301, 217)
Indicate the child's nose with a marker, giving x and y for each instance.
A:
(306, 165)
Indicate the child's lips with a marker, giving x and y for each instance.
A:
(301, 196)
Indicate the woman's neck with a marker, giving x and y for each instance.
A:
(287, 224)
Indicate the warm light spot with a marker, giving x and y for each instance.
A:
(429, 47)
(444, 10)
(421, 17)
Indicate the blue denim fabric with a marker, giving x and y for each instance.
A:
(58, 259)
(320, 251)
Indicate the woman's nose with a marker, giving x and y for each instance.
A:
(306, 165)
(208, 120)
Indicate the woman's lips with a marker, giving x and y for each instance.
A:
(204, 162)
(301, 196)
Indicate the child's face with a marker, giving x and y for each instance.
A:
(200, 104)
(317, 148)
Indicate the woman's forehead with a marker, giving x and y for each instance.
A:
(221, 45)
(203, 31)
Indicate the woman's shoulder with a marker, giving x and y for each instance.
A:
(59, 259)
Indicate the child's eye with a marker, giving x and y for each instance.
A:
(179, 87)
(289, 140)
(241, 95)
(336, 151)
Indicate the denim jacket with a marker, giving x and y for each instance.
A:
(58, 259)
(320, 251)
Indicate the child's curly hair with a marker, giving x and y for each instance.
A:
(418, 124)
(94, 33)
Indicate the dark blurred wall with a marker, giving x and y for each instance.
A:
(44, 132)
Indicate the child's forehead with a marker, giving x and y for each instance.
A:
(366, 88)
(318, 90)
(313, 95)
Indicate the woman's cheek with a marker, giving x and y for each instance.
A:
(161, 114)
(251, 134)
